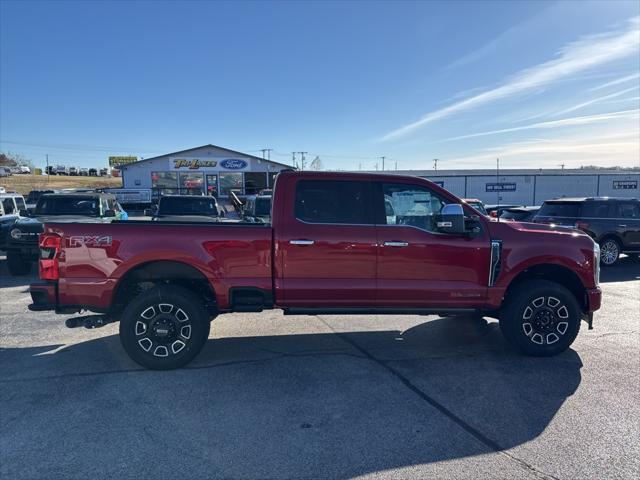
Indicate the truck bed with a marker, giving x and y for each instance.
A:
(95, 257)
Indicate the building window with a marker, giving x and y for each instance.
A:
(230, 181)
(164, 183)
(254, 182)
(191, 183)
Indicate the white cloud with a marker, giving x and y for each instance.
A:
(596, 100)
(575, 57)
(621, 148)
(617, 81)
(564, 122)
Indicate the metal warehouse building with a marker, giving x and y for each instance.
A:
(208, 169)
(534, 186)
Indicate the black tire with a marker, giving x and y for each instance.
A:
(609, 252)
(164, 327)
(540, 318)
(17, 264)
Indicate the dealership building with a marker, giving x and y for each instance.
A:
(532, 186)
(208, 169)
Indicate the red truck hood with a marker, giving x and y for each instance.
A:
(543, 228)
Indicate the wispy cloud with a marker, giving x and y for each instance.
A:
(617, 81)
(620, 148)
(595, 100)
(564, 122)
(575, 57)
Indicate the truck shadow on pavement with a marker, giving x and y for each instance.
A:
(331, 405)
(627, 268)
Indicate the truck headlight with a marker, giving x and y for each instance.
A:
(15, 233)
(596, 262)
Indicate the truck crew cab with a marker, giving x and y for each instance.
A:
(332, 248)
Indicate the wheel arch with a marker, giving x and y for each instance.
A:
(554, 273)
(162, 272)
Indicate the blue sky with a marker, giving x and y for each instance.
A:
(537, 84)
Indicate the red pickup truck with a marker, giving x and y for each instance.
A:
(338, 243)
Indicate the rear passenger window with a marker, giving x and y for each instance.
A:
(559, 209)
(629, 210)
(320, 201)
(595, 210)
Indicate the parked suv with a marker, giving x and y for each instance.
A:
(614, 223)
(10, 206)
(22, 241)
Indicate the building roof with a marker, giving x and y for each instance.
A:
(210, 145)
(507, 172)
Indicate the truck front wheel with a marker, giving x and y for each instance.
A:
(164, 327)
(540, 318)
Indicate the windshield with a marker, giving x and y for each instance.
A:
(263, 206)
(559, 209)
(61, 205)
(514, 215)
(478, 206)
(188, 206)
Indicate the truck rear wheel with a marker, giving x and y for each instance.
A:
(164, 327)
(540, 318)
(17, 264)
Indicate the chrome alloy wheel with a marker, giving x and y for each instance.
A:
(163, 330)
(545, 320)
(609, 252)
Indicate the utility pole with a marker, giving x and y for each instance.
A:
(435, 165)
(293, 159)
(47, 169)
(396, 165)
(383, 162)
(266, 153)
(302, 159)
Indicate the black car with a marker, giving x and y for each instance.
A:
(257, 208)
(519, 214)
(614, 223)
(185, 208)
(22, 242)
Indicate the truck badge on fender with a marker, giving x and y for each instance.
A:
(90, 240)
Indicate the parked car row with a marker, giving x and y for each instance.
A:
(614, 223)
(75, 171)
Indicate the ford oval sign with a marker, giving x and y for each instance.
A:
(233, 164)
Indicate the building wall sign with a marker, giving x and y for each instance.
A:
(500, 187)
(625, 184)
(193, 163)
(234, 164)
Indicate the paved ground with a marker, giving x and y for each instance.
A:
(323, 397)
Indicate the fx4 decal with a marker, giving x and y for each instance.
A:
(90, 240)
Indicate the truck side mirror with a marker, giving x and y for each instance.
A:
(109, 213)
(451, 219)
(24, 213)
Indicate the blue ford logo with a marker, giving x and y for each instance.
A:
(233, 164)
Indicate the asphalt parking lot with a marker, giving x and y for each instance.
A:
(323, 397)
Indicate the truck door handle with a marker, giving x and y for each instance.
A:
(396, 244)
(622, 225)
(301, 242)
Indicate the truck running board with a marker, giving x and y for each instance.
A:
(378, 311)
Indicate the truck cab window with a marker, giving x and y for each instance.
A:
(412, 205)
(342, 202)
